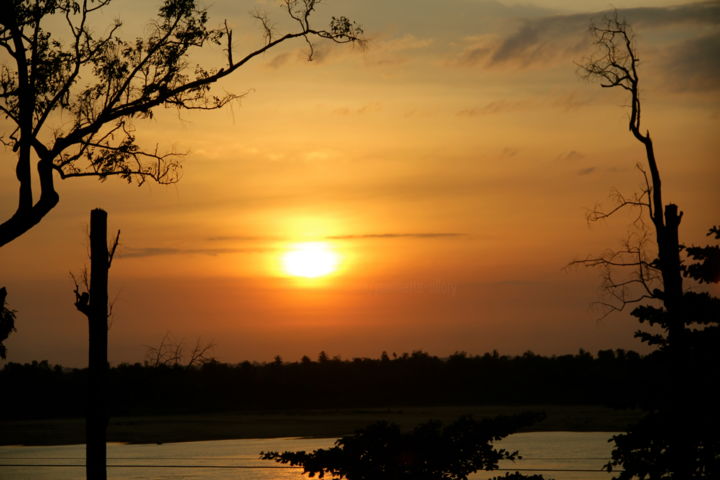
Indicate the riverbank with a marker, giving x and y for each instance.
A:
(302, 423)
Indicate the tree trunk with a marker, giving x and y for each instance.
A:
(96, 420)
(680, 448)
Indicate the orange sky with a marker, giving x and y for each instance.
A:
(450, 164)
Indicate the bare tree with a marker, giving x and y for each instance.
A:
(616, 66)
(678, 438)
(172, 353)
(100, 83)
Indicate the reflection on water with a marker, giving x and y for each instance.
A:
(571, 456)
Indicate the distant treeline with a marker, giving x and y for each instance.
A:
(612, 377)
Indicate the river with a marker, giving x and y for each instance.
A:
(557, 455)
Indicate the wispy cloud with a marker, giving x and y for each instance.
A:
(565, 101)
(367, 108)
(496, 106)
(571, 156)
(394, 51)
(242, 238)
(509, 152)
(381, 236)
(570, 101)
(694, 64)
(142, 252)
(545, 40)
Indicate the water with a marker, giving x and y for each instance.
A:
(558, 455)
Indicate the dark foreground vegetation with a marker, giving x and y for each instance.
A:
(430, 451)
(612, 378)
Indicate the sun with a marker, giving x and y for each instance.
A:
(310, 260)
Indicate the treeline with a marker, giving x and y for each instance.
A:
(611, 377)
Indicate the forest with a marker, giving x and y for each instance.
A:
(616, 378)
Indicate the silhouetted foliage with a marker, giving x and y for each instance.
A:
(430, 451)
(680, 436)
(706, 268)
(615, 378)
(7, 322)
(97, 84)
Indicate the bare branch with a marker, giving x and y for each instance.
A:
(111, 250)
(172, 353)
(199, 354)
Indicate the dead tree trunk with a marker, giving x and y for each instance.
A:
(96, 425)
(94, 304)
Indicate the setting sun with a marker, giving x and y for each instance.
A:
(310, 260)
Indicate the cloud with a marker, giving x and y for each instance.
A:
(242, 238)
(367, 108)
(509, 152)
(404, 43)
(695, 64)
(546, 39)
(566, 102)
(394, 51)
(570, 101)
(496, 106)
(143, 252)
(476, 51)
(280, 60)
(374, 236)
(571, 156)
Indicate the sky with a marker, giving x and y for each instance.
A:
(449, 164)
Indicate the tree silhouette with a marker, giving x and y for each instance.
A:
(7, 322)
(430, 451)
(93, 303)
(100, 83)
(173, 353)
(680, 437)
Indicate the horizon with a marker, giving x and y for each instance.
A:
(392, 356)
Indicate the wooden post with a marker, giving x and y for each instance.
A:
(97, 313)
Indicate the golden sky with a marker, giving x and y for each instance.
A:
(450, 165)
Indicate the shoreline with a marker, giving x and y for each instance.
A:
(326, 423)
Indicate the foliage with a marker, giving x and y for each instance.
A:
(71, 96)
(430, 451)
(700, 310)
(706, 268)
(649, 450)
(7, 322)
(680, 436)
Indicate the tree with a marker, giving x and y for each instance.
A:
(7, 322)
(679, 438)
(100, 83)
(172, 353)
(93, 303)
(430, 451)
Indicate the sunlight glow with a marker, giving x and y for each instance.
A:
(310, 260)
